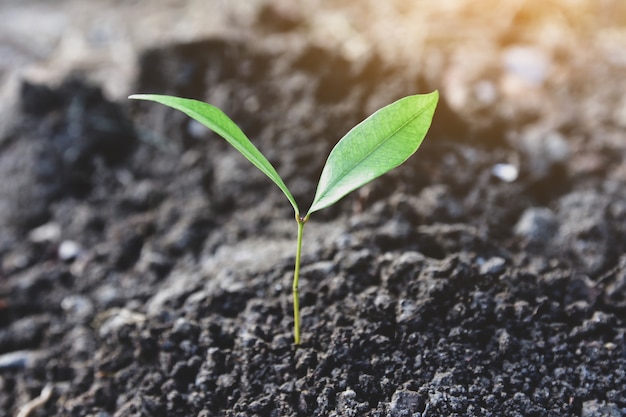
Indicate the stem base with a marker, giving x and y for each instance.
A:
(296, 276)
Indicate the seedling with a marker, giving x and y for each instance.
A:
(372, 148)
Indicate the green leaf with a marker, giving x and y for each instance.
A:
(374, 147)
(220, 123)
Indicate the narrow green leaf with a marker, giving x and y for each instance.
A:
(216, 120)
(375, 146)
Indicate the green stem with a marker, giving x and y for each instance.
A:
(296, 275)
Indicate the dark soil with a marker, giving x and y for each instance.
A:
(146, 266)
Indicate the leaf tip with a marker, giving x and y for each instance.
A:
(137, 96)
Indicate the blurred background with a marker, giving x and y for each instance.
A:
(476, 50)
(530, 57)
(541, 82)
(544, 79)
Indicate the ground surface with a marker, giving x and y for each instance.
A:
(146, 266)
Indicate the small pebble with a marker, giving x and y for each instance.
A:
(505, 172)
(537, 224)
(49, 232)
(404, 402)
(78, 308)
(20, 359)
(68, 250)
(493, 266)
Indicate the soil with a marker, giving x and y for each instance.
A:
(146, 266)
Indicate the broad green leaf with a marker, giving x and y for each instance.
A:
(220, 123)
(375, 146)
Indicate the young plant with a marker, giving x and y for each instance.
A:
(372, 148)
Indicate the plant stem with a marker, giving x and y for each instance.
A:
(296, 275)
